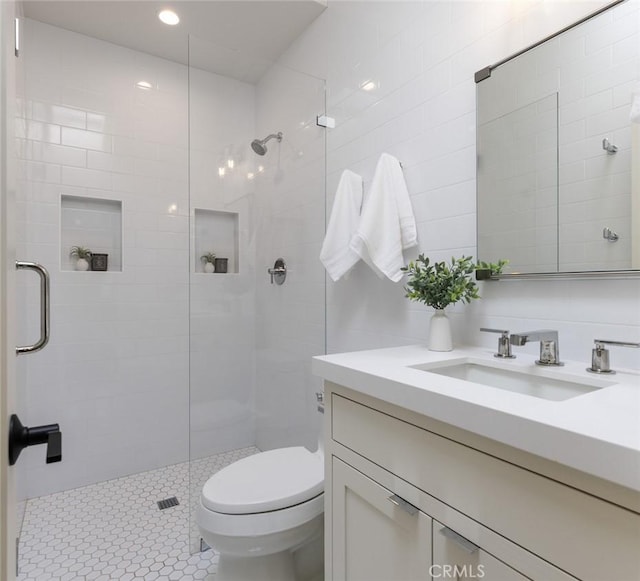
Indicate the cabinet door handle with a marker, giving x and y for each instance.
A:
(466, 545)
(403, 504)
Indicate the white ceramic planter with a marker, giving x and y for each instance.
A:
(209, 267)
(82, 264)
(440, 332)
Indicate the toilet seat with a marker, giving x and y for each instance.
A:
(260, 524)
(265, 482)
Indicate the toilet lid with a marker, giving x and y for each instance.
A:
(266, 481)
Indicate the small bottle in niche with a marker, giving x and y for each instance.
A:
(99, 262)
(221, 264)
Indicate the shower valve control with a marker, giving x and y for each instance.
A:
(278, 272)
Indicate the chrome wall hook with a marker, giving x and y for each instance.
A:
(609, 235)
(608, 146)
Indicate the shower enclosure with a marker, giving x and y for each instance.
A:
(157, 361)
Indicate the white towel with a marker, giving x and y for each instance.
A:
(336, 255)
(387, 225)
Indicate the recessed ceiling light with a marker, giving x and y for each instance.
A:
(368, 86)
(144, 85)
(169, 17)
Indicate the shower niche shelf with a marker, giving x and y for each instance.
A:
(216, 231)
(95, 223)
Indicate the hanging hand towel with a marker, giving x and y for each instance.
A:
(387, 225)
(336, 255)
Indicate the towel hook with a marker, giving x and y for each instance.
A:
(608, 146)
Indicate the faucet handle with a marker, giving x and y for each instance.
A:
(504, 344)
(600, 355)
(487, 330)
(600, 342)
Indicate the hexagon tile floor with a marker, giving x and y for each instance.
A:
(114, 531)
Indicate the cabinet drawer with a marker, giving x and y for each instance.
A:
(583, 535)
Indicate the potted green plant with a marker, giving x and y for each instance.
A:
(209, 259)
(82, 256)
(440, 284)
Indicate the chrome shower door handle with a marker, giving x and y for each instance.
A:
(45, 306)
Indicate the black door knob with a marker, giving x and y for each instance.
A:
(20, 437)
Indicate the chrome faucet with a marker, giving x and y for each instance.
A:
(549, 348)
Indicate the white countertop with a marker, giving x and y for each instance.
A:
(597, 432)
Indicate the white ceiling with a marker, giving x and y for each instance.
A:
(236, 38)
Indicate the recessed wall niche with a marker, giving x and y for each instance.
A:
(93, 223)
(216, 232)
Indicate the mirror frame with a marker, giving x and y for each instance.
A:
(485, 73)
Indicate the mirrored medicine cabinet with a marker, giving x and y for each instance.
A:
(558, 152)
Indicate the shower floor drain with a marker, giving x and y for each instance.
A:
(168, 503)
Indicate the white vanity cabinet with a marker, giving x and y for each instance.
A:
(409, 498)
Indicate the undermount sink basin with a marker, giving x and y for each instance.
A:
(516, 380)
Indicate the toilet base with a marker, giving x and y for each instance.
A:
(274, 567)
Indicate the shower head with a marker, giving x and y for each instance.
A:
(260, 145)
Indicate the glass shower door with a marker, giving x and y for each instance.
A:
(102, 142)
(251, 341)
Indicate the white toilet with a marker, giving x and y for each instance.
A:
(260, 509)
